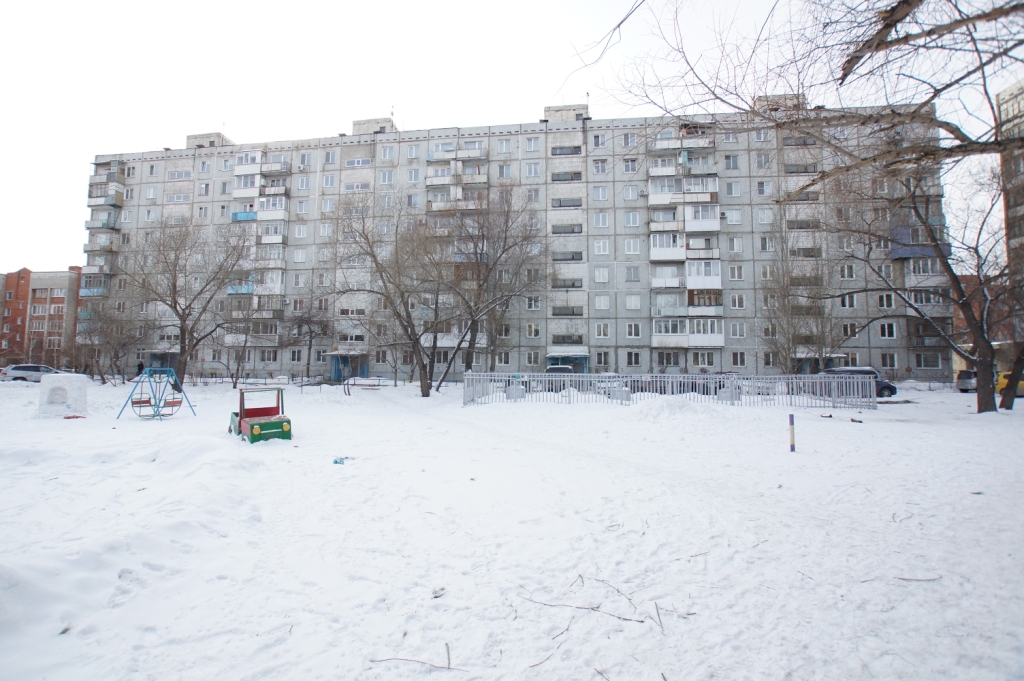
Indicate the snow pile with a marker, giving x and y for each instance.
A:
(63, 395)
(518, 540)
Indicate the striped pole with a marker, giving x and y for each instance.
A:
(792, 435)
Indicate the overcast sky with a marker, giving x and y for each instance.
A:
(85, 79)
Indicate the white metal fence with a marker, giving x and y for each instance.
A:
(818, 390)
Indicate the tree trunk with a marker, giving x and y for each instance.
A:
(309, 354)
(986, 389)
(471, 345)
(1010, 391)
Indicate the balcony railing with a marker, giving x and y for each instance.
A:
(705, 311)
(669, 144)
(93, 292)
(668, 254)
(666, 282)
(479, 178)
(669, 311)
(703, 253)
(927, 342)
(106, 223)
(114, 199)
(439, 180)
(240, 289)
(661, 171)
(97, 248)
(274, 191)
(276, 168)
(243, 216)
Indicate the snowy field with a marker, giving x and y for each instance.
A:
(666, 540)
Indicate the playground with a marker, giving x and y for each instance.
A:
(667, 539)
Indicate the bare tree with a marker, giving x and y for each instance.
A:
(181, 268)
(312, 315)
(112, 329)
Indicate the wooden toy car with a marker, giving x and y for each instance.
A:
(256, 420)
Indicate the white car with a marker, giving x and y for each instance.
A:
(26, 372)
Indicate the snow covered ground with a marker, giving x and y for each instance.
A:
(667, 540)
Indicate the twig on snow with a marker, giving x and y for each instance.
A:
(564, 630)
(617, 591)
(593, 608)
(810, 578)
(658, 610)
(405, 659)
(579, 578)
(542, 661)
(448, 652)
(912, 579)
(602, 673)
(700, 554)
(663, 677)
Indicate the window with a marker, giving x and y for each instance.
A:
(126, 216)
(762, 135)
(601, 247)
(885, 300)
(357, 162)
(600, 167)
(888, 360)
(702, 359)
(735, 244)
(533, 303)
(767, 272)
(413, 151)
(732, 162)
(633, 330)
(268, 355)
(629, 165)
(764, 188)
(302, 207)
(633, 274)
(737, 330)
(730, 138)
(296, 355)
(739, 359)
(732, 188)
(387, 176)
(846, 271)
(629, 192)
(601, 359)
(566, 151)
(769, 359)
(532, 358)
(632, 246)
(504, 146)
(600, 141)
(387, 153)
(767, 243)
(533, 144)
(533, 170)
(602, 302)
(632, 359)
(601, 330)
(130, 171)
(736, 301)
(668, 359)
(566, 203)
(600, 193)
(763, 161)
(300, 231)
(629, 139)
(203, 212)
(887, 330)
(505, 170)
(299, 255)
(633, 301)
(327, 205)
(764, 216)
(331, 157)
(925, 265)
(850, 331)
(848, 300)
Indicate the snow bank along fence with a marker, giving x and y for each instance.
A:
(818, 390)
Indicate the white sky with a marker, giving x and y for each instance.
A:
(86, 79)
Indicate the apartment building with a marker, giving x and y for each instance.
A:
(661, 232)
(39, 317)
(1010, 108)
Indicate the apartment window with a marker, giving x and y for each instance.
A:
(150, 216)
(632, 273)
(668, 359)
(413, 151)
(533, 170)
(601, 247)
(387, 153)
(887, 330)
(327, 205)
(532, 358)
(763, 161)
(737, 330)
(203, 212)
(566, 151)
(296, 355)
(204, 189)
(633, 330)
(412, 200)
(629, 165)
(129, 171)
(152, 170)
(764, 188)
(632, 359)
(629, 192)
(633, 301)
(632, 246)
(300, 231)
(600, 167)
(629, 139)
(600, 141)
(767, 244)
(601, 330)
(532, 303)
(702, 359)
(387, 177)
(846, 272)
(601, 193)
(732, 162)
(151, 192)
(632, 219)
(602, 302)
(885, 300)
(126, 216)
(769, 359)
(767, 272)
(330, 157)
(600, 219)
(225, 188)
(736, 301)
(299, 255)
(735, 244)
(328, 180)
(733, 216)
(762, 135)
(764, 216)
(732, 188)
(533, 330)
(504, 146)
(885, 270)
(533, 144)
(729, 138)
(505, 170)
(739, 359)
(848, 300)
(888, 360)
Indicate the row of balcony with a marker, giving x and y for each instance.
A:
(677, 253)
(446, 180)
(708, 281)
(687, 311)
(264, 168)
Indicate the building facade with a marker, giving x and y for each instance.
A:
(39, 317)
(672, 227)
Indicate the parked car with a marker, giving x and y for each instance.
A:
(967, 380)
(1004, 378)
(556, 379)
(26, 372)
(883, 388)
